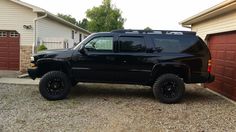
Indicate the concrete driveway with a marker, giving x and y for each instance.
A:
(9, 74)
(104, 107)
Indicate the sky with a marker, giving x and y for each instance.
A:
(156, 14)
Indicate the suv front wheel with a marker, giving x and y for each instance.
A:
(54, 85)
(169, 88)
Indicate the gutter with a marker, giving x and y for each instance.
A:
(206, 12)
(35, 30)
(186, 26)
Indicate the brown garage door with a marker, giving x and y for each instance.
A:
(223, 50)
(9, 50)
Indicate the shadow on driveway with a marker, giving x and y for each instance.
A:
(194, 93)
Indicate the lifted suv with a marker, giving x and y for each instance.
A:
(164, 60)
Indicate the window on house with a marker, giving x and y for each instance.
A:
(80, 37)
(14, 34)
(3, 34)
(73, 34)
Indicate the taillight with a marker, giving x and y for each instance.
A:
(209, 66)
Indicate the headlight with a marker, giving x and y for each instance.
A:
(31, 58)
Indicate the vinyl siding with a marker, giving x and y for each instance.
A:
(13, 17)
(222, 23)
(48, 29)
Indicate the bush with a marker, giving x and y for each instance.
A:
(42, 47)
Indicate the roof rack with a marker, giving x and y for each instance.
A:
(167, 32)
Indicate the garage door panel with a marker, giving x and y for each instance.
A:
(223, 38)
(9, 52)
(13, 57)
(13, 65)
(3, 65)
(3, 48)
(229, 72)
(13, 44)
(3, 54)
(230, 38)
(217, 39)
(223, 50)
(230, 47)
(224, 63)
(14, 51)
(13, 60)
(230, 55)
(234, 95)
(217, 69)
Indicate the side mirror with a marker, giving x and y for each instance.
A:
(83, 51)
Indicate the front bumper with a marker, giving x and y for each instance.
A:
(33, 73)
(211, 78)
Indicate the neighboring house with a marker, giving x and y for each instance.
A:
(23, 27)
(217, 26)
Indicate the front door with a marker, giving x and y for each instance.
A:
(98, 63)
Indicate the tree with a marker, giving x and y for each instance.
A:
(105, 17)
(68, 18)
(83, 23)
(147, 28)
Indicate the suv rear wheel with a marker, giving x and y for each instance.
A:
(169, 88)
(54, 85)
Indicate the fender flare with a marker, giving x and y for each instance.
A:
(164, 67)
(60, 63)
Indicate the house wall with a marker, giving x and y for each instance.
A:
(13, 17)
(222, 23)
(49, 30)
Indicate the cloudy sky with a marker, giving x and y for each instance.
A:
(157, 14)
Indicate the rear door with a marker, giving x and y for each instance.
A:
(134, 61)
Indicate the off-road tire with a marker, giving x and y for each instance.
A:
(166, 83)
(52, 79)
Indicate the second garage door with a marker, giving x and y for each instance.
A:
(9, 50)
(223, 50)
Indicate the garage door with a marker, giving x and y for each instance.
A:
(9, 50)
(223, 50)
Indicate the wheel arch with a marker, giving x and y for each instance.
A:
(181, 70)
(47, 65)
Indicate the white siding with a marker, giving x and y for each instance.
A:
(14, 16)
(222, 23)
(47, 28)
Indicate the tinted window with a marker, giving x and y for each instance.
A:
(132, 44)
(100, 44)
(173, 43)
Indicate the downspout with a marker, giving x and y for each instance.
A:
(35, 30)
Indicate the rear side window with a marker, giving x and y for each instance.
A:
(132, 44)
(174, 43)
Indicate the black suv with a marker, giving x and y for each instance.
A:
(164, 60)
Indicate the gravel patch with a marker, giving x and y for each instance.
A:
(104, 107)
